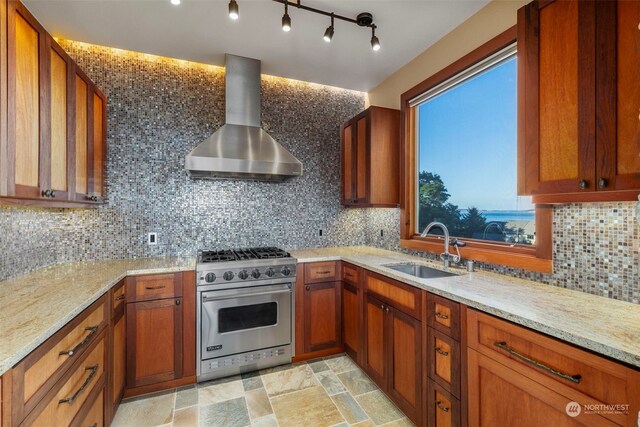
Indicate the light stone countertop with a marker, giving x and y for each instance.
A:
(603, 325)
(35, 306)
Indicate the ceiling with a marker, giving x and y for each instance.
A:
(201, 31)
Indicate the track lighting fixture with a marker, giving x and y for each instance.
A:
(175, 2)
(364, 19)
(286, 19)
(375, 43)
(234, 12)
(328, 34)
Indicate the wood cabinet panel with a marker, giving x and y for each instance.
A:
(58, 117)
(443, 315)
(74, 391)
(98, 142)
(569, 371)
(405, 383)
(401, 296)
(501, 396)
(370, 159)
(4, 149)
(24, 100)
(321, 272)
(81, 138)
(95, 414)
(153, 286)
(443, 410)
(322, 303)
(444, 361)
(154, 343)
(118, 369)
(375, 338)
(351, 321)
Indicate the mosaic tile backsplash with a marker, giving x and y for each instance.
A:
(596, 248)
(159, 109)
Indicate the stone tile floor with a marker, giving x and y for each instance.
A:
(332, 391)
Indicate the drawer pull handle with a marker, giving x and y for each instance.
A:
(440, 351)
(120, 297)
(94, 425)
(323, 272)
(82, 343)
(70, 400)
(572, 378)
(441, 316)
(153, 288)
(441, 407)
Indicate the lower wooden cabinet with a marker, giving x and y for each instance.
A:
(393, 355)
(118, 361)
(154, 341)
(322, 316)
(443, 410)
(352, 321)
(94, 412)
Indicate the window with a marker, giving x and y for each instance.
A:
(461, 162)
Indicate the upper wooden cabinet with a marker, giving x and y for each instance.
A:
(370, 159)
(579, 130)
(53, 151)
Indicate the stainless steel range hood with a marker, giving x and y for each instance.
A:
(241, 149)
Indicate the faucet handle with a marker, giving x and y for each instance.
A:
(457, 243)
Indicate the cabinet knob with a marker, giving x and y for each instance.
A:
(583, 184)
(93, 198)
(177, 302)
(387, 309)
(48, 193)
(382, 307)
(308, 288)
(602, 183)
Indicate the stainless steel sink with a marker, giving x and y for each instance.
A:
(419, 270)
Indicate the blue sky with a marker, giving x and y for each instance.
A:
(468, 137)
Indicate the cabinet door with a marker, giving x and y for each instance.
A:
(154, 341)
(556, 92)
(361, 172)
(405, 382)
(442, 409)
(322, 316)
(4, 161)
(82, 86)
(58, 124)
(97, 146)
(500, 396)
(118, 373)
(25, 79)
(375, 341)
(351, 314)
(618, 95)
(347, 163)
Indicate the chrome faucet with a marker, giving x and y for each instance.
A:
(446, 256)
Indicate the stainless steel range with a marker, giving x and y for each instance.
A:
(245, 310)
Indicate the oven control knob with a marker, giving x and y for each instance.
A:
(210, 277)
(255, 273)
(228, 275)
(243, 275)
(270, 272)
(285, 271)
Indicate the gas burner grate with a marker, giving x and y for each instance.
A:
(216, 256)
(270, 252)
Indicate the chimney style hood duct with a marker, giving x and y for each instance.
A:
(241, 149)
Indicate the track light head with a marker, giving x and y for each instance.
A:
(375, 43)
(234, 11)
(286, 19)
(328, 34)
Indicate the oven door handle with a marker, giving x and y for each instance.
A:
(238, 293)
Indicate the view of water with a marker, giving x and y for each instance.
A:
(506, 216)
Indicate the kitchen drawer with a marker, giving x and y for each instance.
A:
(350, 274)
(443, 358)
(321, 272)
(403, 297)
(73, 390)
(92, 414)
(443, 409)
(35, 375)
(117, 298)
(443, 315)
(582, 376)
(153, 287)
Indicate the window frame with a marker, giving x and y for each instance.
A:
(537, 258)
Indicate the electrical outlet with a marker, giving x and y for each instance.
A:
(320, 232)
(152, 238)
(381, 233)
